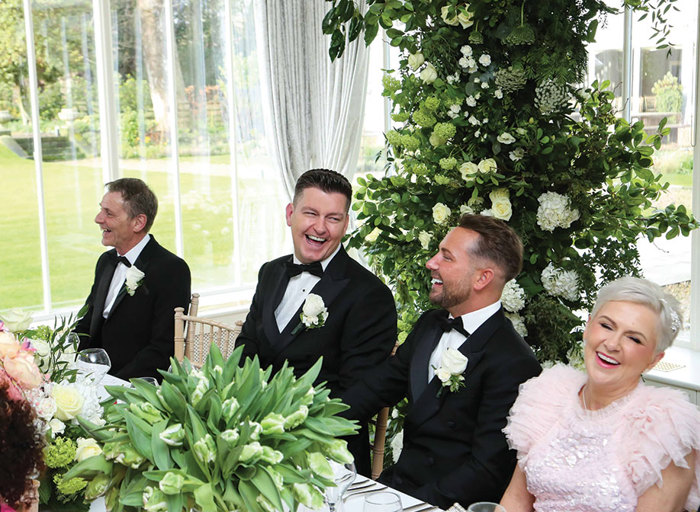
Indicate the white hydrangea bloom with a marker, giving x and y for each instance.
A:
(560, 283)
(513, 297)
(554, 211)
(518, 323)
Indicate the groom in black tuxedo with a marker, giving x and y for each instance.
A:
(137, 286)
(453, 447)
(359, 331)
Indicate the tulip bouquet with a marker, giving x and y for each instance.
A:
(220, 438)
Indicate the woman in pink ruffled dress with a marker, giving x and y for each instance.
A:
(601, 440)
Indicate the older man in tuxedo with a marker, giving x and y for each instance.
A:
(453, 447)
(137, 285)
(359, 330)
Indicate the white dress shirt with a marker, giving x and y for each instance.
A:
(120, 274)
(298, 289)
(453, 339)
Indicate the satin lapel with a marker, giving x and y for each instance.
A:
(141, 263)
(101, 294)
(421, 358)
(274, 289)
(428, 404)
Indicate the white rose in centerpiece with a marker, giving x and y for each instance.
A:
(453, 361)
(415, 60)
(134, 277)
(69, 401)
(488, 165)
(505, 138)
(87, 447)
(57, 427)
(45, 408)
(500, 204)
(441, 213)
(16, 320)
(429, 74)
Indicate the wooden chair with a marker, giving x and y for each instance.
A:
(380, 436)
(200, 334)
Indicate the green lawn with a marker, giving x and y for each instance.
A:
(72, 194)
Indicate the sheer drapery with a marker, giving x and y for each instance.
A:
(316, 107)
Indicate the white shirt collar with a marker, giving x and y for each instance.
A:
(324, 263)
(133, 253)
(473, 320)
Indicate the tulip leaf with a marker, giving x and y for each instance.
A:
(139, 432)
(267, 487)
(161, 451)
(92, 466)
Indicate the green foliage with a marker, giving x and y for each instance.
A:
(669, 94)
(509, 138)
(226, 437)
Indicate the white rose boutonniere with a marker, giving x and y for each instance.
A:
(313, 313)
(134, 278)
(451, 370)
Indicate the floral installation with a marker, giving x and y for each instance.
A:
(221, 438)
(134, 279)
(451, 370)
(489, 118)
(313, 313)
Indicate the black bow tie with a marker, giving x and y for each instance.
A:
(453, 324)
(294, 269)
(124, 260)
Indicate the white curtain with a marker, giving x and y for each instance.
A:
(316, 107)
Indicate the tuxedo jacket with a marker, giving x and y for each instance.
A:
(453, 447)
(138, 334)
(358, 334)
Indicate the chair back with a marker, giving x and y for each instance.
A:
(194, 335)
(380, 436)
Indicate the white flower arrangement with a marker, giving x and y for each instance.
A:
(415, 60)
(451, 369)
(560, 283)
(500, 204)
(429, 74)
(441, 213)
(555, 212)
(518, 323)
(488, 165)
(485, 59)
(505, 138)
(134, 279)
(513, 297)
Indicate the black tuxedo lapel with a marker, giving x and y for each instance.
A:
(428, 403)
(141, 263)
(421, 357)
(105, 280)
(278, 281)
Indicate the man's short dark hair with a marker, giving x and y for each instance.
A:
(497, 243)
(138, 198)
(326, 180)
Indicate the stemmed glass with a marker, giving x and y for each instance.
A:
(151, 380)
(344, 475)
(382, 501)
(486, 506)
(93, 362)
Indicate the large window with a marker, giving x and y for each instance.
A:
(180, 81)
(658, 84)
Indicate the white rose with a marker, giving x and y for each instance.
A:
(313, 306)
(57, 426)
(464, 210)
(43, 349)
(69, 401)
(486, 213)
(468, 169)
(505, 138)
(424, 238)
(415, 60)
(445, 14)
(16, 320)
(500, 204)
(466, 50)
(485, 59)
(443, 374)
(133, 278)
(516, 154)
(429, 74)
(498, 94)
(471, 101)
(488, 166)
(87, 447)
(453, 361)
(441, 213)
(9, 346)
(45, 408)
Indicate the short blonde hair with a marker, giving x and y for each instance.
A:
(650, 294)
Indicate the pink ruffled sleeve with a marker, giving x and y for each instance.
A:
(540, 403)
(662, 427)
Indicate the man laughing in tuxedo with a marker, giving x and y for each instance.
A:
(356, 332)
(137, 286)
(460, 368)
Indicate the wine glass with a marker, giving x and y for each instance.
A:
(343, 476)
(93, 362)
(383, 501)
(151, 380)
(486, 506)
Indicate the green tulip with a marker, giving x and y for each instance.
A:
(147, 412)
(172, 483)
(296, 418)
(308, 495)
(229, 408)
(130, 457)
(271, 455)
(338, 451)
(174, 435)
(230, 435)
(97, 487)
(251, 452)
(204, 449)
(319, 465)
(154, 500)
(273, 423)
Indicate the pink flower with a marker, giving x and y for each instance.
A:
(23, 369)
(9, 346)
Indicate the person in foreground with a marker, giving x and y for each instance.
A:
(354, 311)
(601, 440)
(21, 445)
(137, 286)
(460, 386)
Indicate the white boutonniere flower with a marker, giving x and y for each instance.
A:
(451, 370)
(313, 313)
(134, 279)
